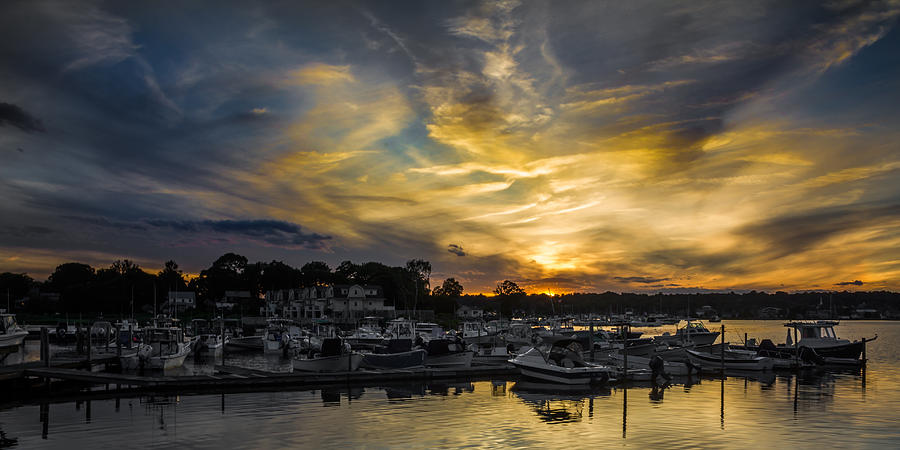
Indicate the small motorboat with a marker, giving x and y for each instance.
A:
(447, 353)
(733, 361)
(692, 333)
(561, 364)
(334, 356)
(11, 334)
(640, 362)
(394, 354)
(162, 348)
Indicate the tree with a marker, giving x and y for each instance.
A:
(508, 288)
(449, 288)
(72, 281)
(421, 271)
(171, 276)
(231, 262)
(315, 273)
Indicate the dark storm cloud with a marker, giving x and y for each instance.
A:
(849, 283)
(272, 232)
(456, 250)
(15, 116)
(642, 280)
(788, 235)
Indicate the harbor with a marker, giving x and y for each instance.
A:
(496, 409)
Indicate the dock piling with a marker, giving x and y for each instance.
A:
(722, 350)
(118, 342)
(45, 346)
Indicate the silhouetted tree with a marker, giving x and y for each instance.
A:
(315, 273)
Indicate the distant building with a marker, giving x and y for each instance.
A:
(468, 310)
(343, 302)
(770, 312)
(180, 301)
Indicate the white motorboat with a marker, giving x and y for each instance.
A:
(210, 343)
(162, 348)
(279, 336)
(11, 334)
(561, 364)
(692, 333)
(476, 333)
(335, 356)
(732, 361)
(367, 335)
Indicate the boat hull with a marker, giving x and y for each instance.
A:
(341, 363)
(581, 376)
(13, 339)
(710, 361)
(401, 360)
(456, 359)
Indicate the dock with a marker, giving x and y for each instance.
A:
(230, 376)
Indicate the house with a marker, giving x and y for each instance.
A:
(468, 310)
(335, 301)
(180, 301)
(770, 312)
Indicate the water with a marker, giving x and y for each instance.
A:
(810, 410)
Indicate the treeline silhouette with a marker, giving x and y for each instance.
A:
(124, 286)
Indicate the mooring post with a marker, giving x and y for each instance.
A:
(865, 358)
(45, 346)
(722, 350)
(625, 330)
(130, 335)
(591, 339)
(745, 340)
(106, 338)
(90, 347)
(118, 342)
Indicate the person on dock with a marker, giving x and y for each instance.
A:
(658, 368)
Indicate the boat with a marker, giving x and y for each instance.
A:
(820, 336)
(606, 341)
(476, 333)
(334, 356)
(367, 335)
(447, 353)
(209, 342)
(731, 361)
(692, 333)
(162, 348)
(11, 334)
(394, 354)
(279, 336)
(640, 362)
(492, 352)
(561, 363)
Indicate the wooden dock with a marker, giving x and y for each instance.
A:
(229, 376)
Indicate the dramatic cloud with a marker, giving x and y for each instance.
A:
(17, 117)
(684, 146)
(456, 250)
(849, 283)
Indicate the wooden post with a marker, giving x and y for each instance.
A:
(745, 340)
(625, 350)
(722, 350)
(865, 358)
(45, 346)
(90, 347)
(591, 340)
(118, 343)
(130, 335)
(106, 338)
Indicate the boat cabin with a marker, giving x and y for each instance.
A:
(8, 324)
(815, 332)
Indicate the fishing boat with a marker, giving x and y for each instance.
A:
(210, 343)
(394, 354)
(279, 336)
(820, 336)
(476, 333)
(162, 348)
(367, 334)
(692, 333)
(561, 363)
(334, 356)
(731, 361)
(493, 352)
(11, 334)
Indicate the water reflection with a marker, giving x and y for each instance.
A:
(557, 404)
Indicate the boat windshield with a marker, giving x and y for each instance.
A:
(7, 324)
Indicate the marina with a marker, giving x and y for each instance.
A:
(252, 379)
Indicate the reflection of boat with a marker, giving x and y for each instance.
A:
(555, 403)
(396, 354)
(693, 333)
(334, 357)
(731, 362)
(11, 333)
(561, 363)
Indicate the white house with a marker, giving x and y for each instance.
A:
(469, 311)
(180, 301)
(342, 301)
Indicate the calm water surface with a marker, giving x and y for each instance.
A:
(808, 410)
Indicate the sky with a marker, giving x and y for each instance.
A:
(567, 146)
